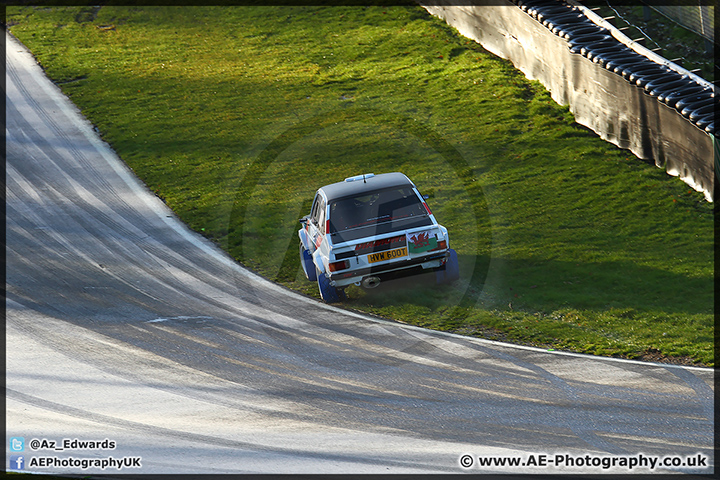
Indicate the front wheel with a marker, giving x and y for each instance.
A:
(328, 293)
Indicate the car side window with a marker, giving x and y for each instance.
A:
(321, 216)
(314, 211)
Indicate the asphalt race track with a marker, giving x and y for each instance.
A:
(123, 325)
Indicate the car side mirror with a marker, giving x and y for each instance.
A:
(426, 197)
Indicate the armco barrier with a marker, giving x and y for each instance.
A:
(625, 93)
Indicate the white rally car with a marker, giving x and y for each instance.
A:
(369, 229)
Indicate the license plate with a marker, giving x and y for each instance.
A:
(387, 255)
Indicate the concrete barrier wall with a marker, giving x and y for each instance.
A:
(618, 111)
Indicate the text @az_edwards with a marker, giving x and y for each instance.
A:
(71, 444)
(566, 461)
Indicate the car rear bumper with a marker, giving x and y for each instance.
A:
(389, 271)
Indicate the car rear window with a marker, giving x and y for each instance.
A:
(379, 207)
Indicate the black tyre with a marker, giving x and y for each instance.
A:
(671, 99)
(700, 99)
(577, 43)
(609, 45)
(328, 293)
(602, 58)
(527, 5)
(703, 121)
(692, 107)
(702, 112)
(656, 87)
(646, 73)
(621, 60)
(581, 28)
(563, 20)
(545, 13)
(597, 54)
(633, 66)
(643, 79)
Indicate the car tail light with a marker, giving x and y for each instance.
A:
(336, 266)
(441, 245)
(427, 208)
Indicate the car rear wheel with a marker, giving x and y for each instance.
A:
(307, 263)
(328, 293)
(451, 272)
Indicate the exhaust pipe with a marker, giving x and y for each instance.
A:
(370, 282)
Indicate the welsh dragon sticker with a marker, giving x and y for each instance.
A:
(421, 242)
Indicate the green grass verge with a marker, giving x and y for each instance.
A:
(235, 115)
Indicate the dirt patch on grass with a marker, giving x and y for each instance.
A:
(655, 355)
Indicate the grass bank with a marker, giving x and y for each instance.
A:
(235, 115)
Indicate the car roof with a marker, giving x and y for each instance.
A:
(369, 184)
